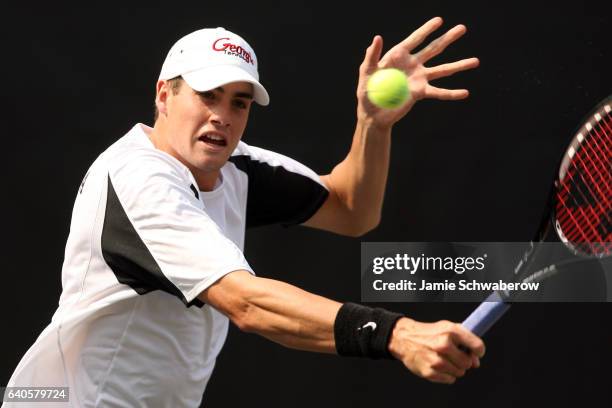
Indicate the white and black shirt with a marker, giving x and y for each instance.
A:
(143, 244)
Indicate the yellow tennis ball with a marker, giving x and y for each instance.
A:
(388, 88)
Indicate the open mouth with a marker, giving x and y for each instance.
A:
(216, 140)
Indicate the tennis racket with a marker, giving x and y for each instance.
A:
(579, 210)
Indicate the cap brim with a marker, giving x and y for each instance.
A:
(209, 78)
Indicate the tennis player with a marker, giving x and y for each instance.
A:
(154, 267)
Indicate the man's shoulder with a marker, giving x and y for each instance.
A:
(134, 154)
(134, 142)
(261, 155)
(245, 150)
(256, 159)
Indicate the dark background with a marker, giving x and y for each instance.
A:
(79, 77)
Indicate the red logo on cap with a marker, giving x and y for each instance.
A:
(233, 49)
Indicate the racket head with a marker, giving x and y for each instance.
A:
(582, 199)
(579, 206)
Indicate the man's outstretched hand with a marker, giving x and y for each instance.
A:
(413, 64)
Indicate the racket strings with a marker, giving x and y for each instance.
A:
(584, 195)
(601, 147)
(588, 199)
(600, 139)
(597, 161)
(598, 175)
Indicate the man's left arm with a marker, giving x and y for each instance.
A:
(357, 184)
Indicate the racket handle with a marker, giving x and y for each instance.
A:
(486, 314)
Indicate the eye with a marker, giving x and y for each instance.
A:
(240, 104)
(208, 95)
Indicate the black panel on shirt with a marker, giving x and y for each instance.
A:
(277, 195)
(128, 257)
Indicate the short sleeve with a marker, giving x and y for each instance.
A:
(280, 189)
(156, 234)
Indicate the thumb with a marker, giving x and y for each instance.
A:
(469, 340)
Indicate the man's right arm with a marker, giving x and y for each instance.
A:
(298, 319)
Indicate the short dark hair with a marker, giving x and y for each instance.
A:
(175, 85)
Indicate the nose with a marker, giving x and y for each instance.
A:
(220, 116)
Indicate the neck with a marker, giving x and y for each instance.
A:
(206, 179)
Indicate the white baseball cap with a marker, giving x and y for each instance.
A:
(212, 57)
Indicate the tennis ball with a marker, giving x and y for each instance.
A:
(388, 88)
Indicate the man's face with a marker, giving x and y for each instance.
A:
(204, 128)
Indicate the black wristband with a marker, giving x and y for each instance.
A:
(362, 331)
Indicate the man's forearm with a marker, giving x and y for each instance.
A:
(276, 310)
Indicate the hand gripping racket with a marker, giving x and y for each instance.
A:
(579, 208)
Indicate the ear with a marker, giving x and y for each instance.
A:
(162, 91)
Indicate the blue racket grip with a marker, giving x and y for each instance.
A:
(486, 314)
